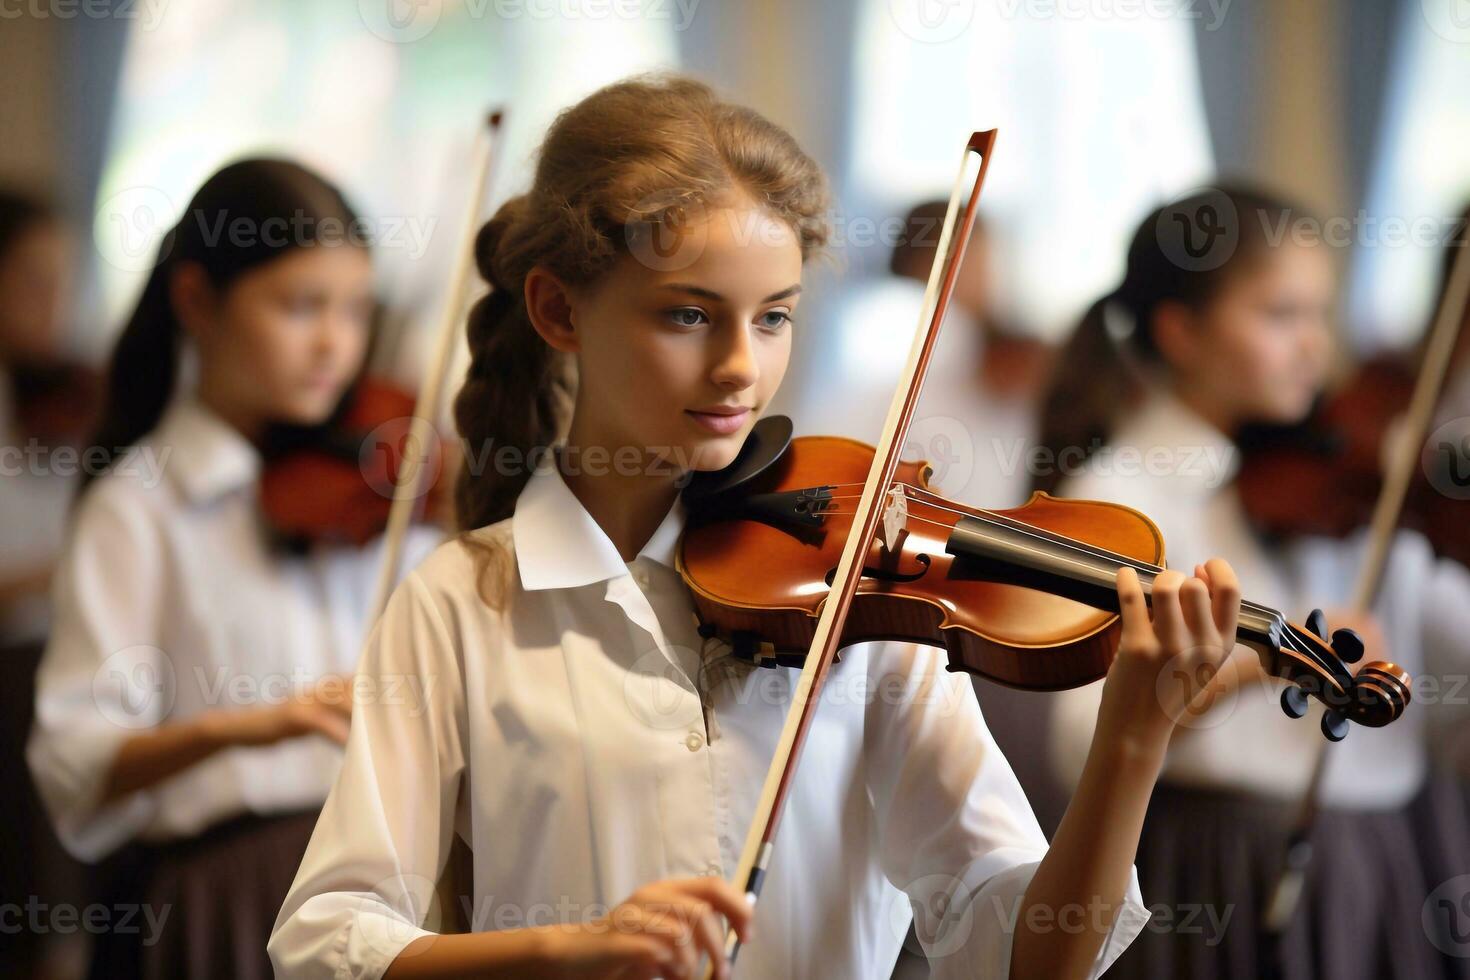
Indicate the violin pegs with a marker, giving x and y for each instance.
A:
(1317, 623)
(1294, 702)
(1334, 725)
(1348, 645)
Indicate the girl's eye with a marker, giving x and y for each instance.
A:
(687, 316)
(1283, 314)
(302, 305)
(776, 319)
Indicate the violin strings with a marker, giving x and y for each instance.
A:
(1289, 639)
(1036, 533)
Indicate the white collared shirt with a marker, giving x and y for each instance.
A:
(1174, 467)
(170, 601)
(565, 740)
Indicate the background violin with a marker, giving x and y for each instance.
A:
(334, 483)
(54, 401)
(1324, 476)
(1025, 597)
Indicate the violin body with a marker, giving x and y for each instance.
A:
(1324, 477)
(335, 483)
(56, 402)
(751, 577)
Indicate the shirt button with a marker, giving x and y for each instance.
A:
(713, 869)
(641, 577)
(694, 741)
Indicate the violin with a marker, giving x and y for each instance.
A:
(1024, 597)
(335, 483)
(54, 401)
(1331, 467)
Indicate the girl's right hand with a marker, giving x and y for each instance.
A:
(661, 930)
(325, 710)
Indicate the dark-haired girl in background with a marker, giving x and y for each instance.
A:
(1193, 346)
(46, 406)
(191, 700)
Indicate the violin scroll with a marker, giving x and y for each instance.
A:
(1375, 696)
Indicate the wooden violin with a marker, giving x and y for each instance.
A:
(55, 401)
(1332, 466)
(334, 483)
(1025, 597)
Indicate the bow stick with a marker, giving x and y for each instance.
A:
(760, 841)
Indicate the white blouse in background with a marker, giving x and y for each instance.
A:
(1179, 470)
(564, 739)
(169, 601)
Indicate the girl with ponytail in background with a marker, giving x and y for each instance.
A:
(1190, 353)
(600, 758)
(192, 700)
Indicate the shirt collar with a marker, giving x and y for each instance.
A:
(208, 457)
(558, 545)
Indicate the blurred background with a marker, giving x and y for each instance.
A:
(1105, 107)
(1360, 109)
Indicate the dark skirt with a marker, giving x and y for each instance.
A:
(204, 906)
(34, 868)
(1441, 822)
(1208, 862)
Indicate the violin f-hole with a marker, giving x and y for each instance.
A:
(887, 574)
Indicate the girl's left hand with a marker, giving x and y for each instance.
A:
(1164, 662)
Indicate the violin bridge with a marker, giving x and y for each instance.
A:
(895, 517)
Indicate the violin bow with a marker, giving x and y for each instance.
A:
(418, 445)
(1403, 451)
(760, 841)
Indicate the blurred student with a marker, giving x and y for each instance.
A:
(47, 404)
(192, 700)
(1160, 376)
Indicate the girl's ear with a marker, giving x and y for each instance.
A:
(1175, 333)
(192, 297)
(549, 308)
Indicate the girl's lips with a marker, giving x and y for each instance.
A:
(721, 424)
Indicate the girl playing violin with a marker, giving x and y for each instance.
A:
(191, 702)
(1179, 360)
(600, 759)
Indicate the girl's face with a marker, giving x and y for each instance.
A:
(34, 284)
(1261, 350)
(681, 350)
(286, 338)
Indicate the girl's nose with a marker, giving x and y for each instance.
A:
(735, 364)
